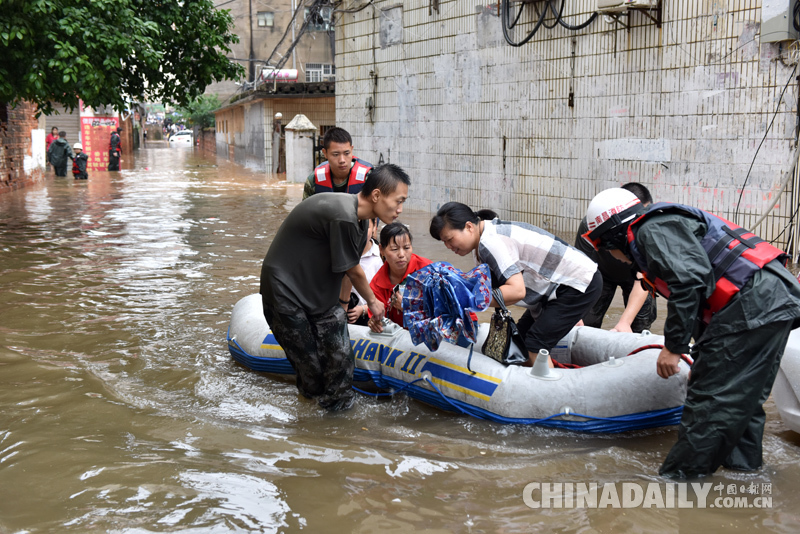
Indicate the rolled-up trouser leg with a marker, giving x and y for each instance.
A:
(559, 315)
(336, 358)
(723, 418)
(318, 348)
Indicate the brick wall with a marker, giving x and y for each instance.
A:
(20, 163)
(207, 140)
(534, 132)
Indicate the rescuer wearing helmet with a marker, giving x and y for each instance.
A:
(79, 162)
(730, 291)
(640, 306)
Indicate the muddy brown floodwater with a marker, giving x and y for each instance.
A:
(121, 409)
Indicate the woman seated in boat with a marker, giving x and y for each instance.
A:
(557, 283)
(399, 261)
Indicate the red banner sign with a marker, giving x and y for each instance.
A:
(96, 135)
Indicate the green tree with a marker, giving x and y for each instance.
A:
(200, 112)
(104, 51)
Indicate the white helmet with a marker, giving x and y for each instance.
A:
(77, 146)
(608, 210)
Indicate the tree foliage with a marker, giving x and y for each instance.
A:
(102, 51)
(200, 112)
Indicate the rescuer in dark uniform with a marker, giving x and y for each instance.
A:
(730, 291)
(114, 150)
(59, 152)
(342, 173)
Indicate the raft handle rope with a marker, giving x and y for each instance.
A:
(684, 357)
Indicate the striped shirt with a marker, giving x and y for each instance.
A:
(544, 260)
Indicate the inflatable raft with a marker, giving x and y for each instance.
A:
(786, 390)
(617, 390)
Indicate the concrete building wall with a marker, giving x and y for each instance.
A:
(255, 131)
(315, 46)
(535, 131)
(244, 130)
(22, 142)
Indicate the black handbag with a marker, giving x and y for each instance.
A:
(504, 337)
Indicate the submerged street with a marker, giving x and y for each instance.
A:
(121, 409)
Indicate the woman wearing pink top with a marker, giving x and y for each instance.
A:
(52, 136)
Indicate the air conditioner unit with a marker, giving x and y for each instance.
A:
(777, 21)
(615, 6)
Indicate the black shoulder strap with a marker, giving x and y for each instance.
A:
(498, 298)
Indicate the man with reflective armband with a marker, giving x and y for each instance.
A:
(730, 291)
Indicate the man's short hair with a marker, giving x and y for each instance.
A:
(62, 133)
(384, 178)
(641, 192)
(336, 135)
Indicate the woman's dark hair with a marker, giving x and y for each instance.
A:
(53, 128)
(384, 178)
(392, 231)
(456, 215)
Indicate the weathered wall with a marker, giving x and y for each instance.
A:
(681, 109)
(244, 130)
(315, 46)
(206, 140)
(22, 155)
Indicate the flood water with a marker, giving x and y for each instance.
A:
(121, 409)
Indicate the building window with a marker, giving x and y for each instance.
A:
(266, 19)
(319, 20)
(320, 72)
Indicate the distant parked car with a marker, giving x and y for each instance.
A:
(182, 138)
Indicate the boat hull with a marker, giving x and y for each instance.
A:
(786, 390)
(614, 392)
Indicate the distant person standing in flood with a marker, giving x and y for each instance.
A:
(52, 136)
(59, 152)
(343, 172)
(313, 260)
(114, 150)
(79, 163)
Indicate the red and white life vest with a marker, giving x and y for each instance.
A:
(735, 254)
(323, 181)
